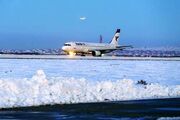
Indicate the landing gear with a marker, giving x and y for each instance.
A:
(83, 54)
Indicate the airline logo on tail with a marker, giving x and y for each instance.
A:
(117, 34)
(115, 38)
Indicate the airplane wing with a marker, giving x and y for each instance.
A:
(112, 49)
(125, 46)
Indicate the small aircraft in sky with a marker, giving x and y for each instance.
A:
(96, 49)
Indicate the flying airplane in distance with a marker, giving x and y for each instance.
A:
(96, 49)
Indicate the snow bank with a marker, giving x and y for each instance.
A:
(40, 90)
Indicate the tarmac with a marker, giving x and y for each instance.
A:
(68, 57)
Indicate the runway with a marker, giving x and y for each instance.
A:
(135, 109)
(66, 57)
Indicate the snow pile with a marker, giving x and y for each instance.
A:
(40, 90)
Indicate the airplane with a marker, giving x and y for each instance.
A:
(96, 49)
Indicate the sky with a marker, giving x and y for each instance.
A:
(33, 24)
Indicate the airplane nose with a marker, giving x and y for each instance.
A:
(63, 48)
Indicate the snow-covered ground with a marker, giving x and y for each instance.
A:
(68, 57)
(30, 82)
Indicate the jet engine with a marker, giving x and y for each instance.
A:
(96, 53)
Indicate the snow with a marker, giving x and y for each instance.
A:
(104, 57)
(39, 82)
(169, 118)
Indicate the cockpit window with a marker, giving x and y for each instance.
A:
(67, 44)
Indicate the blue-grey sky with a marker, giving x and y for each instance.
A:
(28, 24)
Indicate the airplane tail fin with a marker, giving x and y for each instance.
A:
(115, 39)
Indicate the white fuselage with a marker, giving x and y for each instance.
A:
(85, 47)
